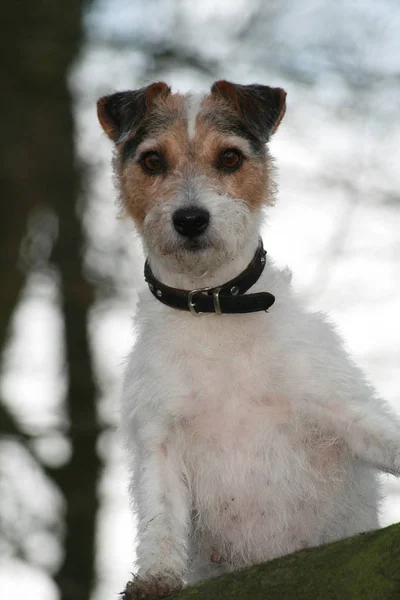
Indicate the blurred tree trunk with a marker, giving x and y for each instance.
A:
(39, 41)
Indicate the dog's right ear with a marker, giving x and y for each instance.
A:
(122, 112)
(260, 106)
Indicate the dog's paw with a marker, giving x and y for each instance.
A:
(151, 588)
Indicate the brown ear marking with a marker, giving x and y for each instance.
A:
(282, 108)
(157, 89)
(122, 112)
(260, 106)
(228, 90)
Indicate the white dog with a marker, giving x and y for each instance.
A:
(253, 434)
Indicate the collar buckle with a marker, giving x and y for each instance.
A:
(206, 290)
(192, 305)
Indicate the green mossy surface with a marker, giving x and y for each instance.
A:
(365, 567)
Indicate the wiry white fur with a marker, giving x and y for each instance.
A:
(193, 102)
(251, 435)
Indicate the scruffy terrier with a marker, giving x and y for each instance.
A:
(252, 432)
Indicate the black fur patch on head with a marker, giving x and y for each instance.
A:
(228, 123)
(260, 107)
(122, 112)
(149, 127)
(130, 147)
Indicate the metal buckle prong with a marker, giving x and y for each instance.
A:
(192, 305)
(217, 306)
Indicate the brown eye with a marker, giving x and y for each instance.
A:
(229, 160)
(153, 163)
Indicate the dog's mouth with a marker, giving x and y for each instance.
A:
(183, 247)
(196, 244)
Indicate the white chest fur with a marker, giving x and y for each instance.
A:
(257, 469)
(225, 399)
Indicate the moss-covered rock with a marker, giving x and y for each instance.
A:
(365, 567)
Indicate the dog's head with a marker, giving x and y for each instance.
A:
(194, 171)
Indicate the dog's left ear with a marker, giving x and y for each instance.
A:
(122, 112)
(260, 106)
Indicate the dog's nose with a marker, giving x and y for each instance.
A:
(190, 221)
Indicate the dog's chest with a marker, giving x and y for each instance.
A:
(228, 394)
(246, 449)
(229, 400)
(225, 384)
(236, 421)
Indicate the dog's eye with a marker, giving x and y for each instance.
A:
(229, 160)
(153, 162)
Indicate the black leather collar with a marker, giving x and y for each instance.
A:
(228, 298)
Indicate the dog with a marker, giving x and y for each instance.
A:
(251, 431)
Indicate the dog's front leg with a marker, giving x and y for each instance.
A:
(162, 505)
(366, 424)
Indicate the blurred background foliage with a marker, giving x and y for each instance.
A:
(70, 267)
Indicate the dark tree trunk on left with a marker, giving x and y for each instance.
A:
(39, 41)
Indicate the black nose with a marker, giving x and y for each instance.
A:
(190, 221)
